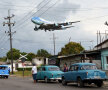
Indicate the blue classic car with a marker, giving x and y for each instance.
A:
(84, 73)
(4, 71)
(49, 73)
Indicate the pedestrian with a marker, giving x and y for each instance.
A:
(9, 70)
(65, 67)
(34, 72)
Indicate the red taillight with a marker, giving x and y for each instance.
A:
(87, 73)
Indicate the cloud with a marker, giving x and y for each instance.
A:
(28, 40)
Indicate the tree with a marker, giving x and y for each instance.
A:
(43, 53)
(3, 59)
(16, 54)
(30, 56)
(71, 48)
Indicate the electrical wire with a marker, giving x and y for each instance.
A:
(33, 14)
(21, 22)
(2, 38)
(46, 9)
(4, 43)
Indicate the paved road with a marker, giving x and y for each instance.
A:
(15, 83)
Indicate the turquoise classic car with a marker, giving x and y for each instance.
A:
(82, 73)
(49, 73)
(4, 71)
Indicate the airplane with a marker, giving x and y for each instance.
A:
(42, 24)
(106, 23)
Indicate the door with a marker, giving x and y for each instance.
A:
(75, 73)
(43, 73)
(39, 74)
(69, 74)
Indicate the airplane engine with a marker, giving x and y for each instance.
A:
(36, 29)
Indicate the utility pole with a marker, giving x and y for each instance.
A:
(10, 34)
(69, 39)
(54, 42)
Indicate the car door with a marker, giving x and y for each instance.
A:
(39, 73)
(75, 73)
(43, 73)
(70, 73)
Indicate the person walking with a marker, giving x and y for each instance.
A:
(34, 72)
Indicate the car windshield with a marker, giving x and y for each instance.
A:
(3, 68)
(53, 69)
(88, 67)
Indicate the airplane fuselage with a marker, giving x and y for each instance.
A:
(46, 25)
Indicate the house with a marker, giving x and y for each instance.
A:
(18, 64)
(69, 59)
(99, 56)
(53, 60)
(103, 48)
(40, 61)
(85, 56)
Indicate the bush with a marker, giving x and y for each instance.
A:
(27, 69)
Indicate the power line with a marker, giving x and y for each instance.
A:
(44, 11)
(3, 43)
(33, 14)
(2, 38)
(28, 14)
(49, 8)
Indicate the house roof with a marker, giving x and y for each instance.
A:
(101, 43)
(71, 55)
(82, 53)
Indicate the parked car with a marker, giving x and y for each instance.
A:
(49, 73)
(84, 73)
(4, 71)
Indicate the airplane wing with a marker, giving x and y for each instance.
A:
(67, 23)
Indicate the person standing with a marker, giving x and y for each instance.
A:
(34, 72)
(65, 68)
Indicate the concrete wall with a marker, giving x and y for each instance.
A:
(104, 55)
(69, 61)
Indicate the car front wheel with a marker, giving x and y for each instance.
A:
(46, 80)
(80, 82)
(64, 82)
(99, 84)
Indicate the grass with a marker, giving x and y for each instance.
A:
(20, 73)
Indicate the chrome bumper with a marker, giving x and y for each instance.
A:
(55, 78)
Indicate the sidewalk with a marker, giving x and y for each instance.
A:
(105, 83)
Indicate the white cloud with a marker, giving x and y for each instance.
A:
(65, 10)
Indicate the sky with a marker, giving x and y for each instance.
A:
(92, 14)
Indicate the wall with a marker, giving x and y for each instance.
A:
(104, 54)
(69, 61)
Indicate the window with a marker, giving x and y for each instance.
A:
(76, 68)
(3, 68)
(40, 69)
(107, 60)
(71, 68)
(88, 67)
(54, 69)
(43, 69)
